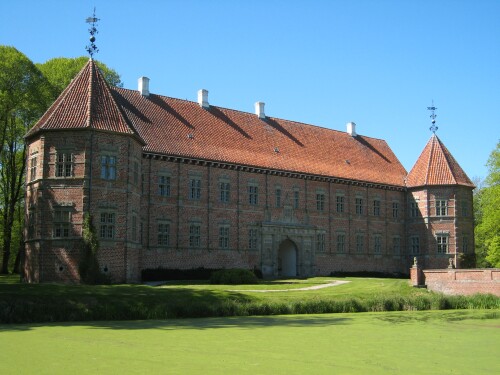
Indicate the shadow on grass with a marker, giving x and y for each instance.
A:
(248, 322)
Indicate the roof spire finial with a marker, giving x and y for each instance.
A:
(433, 116)
(92, 48)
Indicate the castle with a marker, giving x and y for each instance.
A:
(179, 184)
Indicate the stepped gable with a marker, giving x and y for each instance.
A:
(436, 166)
(183, 128)
(86, 103)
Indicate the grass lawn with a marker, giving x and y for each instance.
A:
(411, 342)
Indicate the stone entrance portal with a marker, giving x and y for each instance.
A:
(287, 259)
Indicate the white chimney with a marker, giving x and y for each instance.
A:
(351, 129)
(259, 109)
(143, 86)
(203, 98)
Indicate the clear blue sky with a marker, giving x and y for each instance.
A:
(377, 63)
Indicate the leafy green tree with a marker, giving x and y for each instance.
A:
(24, 95)
(61, 70)
(488, 212)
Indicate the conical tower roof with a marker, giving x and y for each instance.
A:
(436, 166)
(87, 103)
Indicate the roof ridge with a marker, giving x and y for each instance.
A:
(429, 161)
(90, 93)
(447, 156)
(250, 113)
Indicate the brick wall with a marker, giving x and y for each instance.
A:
(463, 281)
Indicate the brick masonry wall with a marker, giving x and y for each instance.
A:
(287, 212)
(463, 281)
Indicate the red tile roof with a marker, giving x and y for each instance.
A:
(436, 166)
(177, 127)
(180, 127)
(86, 103)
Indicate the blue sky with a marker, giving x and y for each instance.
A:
(377, 63)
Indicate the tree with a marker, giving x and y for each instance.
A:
(488, 212)
(61, 70)
(24, 96)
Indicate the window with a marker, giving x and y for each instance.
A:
(33, 162)
(360, 243)
(320, 242)
(62, 223)
(64, 164)
(396, 245)
(253, 195)
(320, 201)
(395, 210)
(143, 180)
(194, 235)
(340, 203)
(441, 208)
(224, 236)
(465, 208)
(108, 167)
(136, 172)
(134, 228)
(31, 222)
(442, 244)
(252, 239)
(415, 245)
(141, 232)
(107, 225)
(465, 244)
(195, 188)
(359, 206)
(164, 186)
(296, 197)
(278, 197)
(164, 234)
(224, 191)
(377, 244)
(376, 207)
(414, 211)
(341, 243)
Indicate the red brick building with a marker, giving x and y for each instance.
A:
(178, 184)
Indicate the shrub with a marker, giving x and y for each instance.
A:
(233, 276)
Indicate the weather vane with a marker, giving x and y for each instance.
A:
(92, 48)
(433, 116)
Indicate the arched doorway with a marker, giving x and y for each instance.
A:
(287, 259)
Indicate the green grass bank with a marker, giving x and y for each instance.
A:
(30, 303)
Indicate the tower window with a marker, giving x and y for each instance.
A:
(107, 225)
(442, 244)
(64, 164)
(441, 207)
(108, 167)
(62, 223)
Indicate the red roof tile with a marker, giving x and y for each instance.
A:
(180, 127)
(86, 103)
(436, 166)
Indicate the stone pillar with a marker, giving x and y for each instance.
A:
(416, 274)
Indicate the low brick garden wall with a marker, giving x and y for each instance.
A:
(458, 281)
